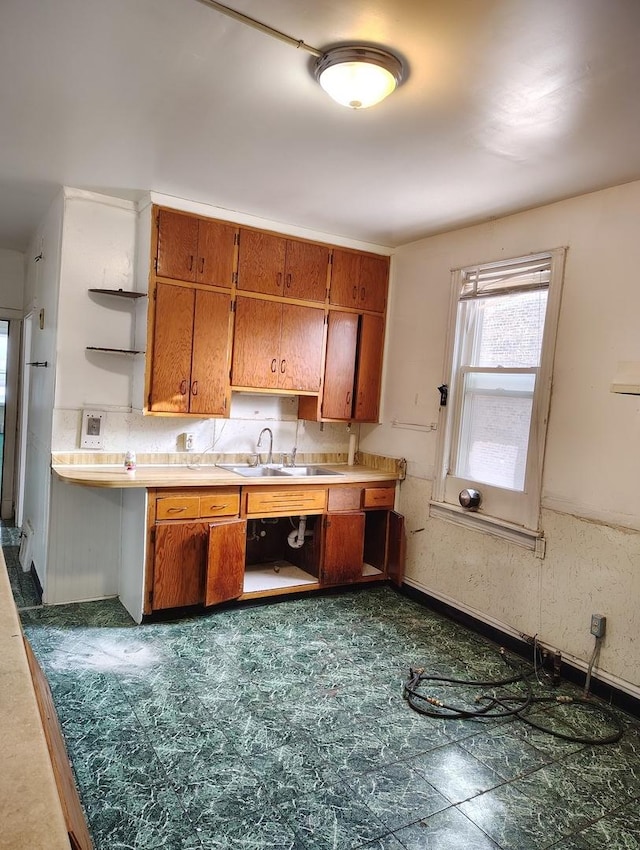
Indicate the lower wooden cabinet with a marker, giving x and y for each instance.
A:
(200, 552)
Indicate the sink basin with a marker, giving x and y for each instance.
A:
(281, 471)
(251, 471)
(307, 471)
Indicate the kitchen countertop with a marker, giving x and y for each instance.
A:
(30, 809)
(174, 475)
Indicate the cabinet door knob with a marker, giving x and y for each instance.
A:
(355, 292)
(289, 281)
(201, 265)
(183, 387)
(274, 364)
(190, 262)
(363, 293)
(194, 388)
(349, 397)
(283, 366)
(279, 279)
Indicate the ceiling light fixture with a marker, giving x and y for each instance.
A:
(358, 76)
(354, 75)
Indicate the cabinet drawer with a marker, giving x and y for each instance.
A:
(379, 497)
(223, 503)
(284, 502)
(345, 498)
(178, 507)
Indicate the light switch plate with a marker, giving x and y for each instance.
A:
(92, 430)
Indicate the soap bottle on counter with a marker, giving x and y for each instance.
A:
(130, 461)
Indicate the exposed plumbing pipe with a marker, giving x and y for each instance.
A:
(296, 537)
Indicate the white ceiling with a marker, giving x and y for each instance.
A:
(508, 104)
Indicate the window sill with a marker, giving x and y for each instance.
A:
(533, 540)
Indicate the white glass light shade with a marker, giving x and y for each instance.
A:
(358, 77)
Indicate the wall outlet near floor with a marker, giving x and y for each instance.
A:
(598, 625)
(92, 429)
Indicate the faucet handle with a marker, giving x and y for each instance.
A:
(294, 451)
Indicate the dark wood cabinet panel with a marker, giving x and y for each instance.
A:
(172, 343)
(177, 245)
(261, 262)
(190, 365)
(359, 280)
(300, 364)
(340, 365)
(180, 554)
(216, 253)
(225, 561)
(343, 547)
(210, 358)
(277, 346)
(396, 548)
(256, 344)
(369, 370)
(274, 265)
(195, 249)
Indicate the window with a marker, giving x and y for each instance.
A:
(502, 338)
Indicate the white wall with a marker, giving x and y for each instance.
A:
(591, 514)
(11, 283)
(41, 292)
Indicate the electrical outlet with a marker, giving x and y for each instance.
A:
(188, 442)
(598, 625)
(92, 429)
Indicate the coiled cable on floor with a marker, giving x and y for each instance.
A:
(502, 704)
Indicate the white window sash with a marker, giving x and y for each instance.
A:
(523, 508)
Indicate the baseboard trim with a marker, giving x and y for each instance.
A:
(614, 695)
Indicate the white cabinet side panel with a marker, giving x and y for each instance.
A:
(133, 551)
(84, 543)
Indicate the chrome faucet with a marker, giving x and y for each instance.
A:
(259, 443)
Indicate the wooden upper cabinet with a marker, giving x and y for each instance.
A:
(359, 280)
(277, 346)
(196, 250)
(274, 265)
(369, 371)
(340, 365)
(191, 351)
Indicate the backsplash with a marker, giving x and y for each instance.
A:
(127, 430)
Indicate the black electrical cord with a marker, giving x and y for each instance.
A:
(501, 705)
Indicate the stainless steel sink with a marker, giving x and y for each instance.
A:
(307, 471)
(251, 471)
(281, 471)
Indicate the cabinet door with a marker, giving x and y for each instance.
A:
(373, 282)
(345, 278)
(397, 548)
(256, 344)
(300, 360)
(261, 262)
(369, 368)
(216, 246)
(172, 338)
(340, 365)
(225, 561)
(210, 360)
(177, 245)
(180, 554)
(343, 547)
(306, 271)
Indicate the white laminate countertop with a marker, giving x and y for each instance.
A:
(174, 475)
(31, 815)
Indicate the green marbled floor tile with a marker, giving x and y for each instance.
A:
(297, 769)
(332, 819)
(515, 821)
(505, 753)
(236, 813)
(387, 842)
(397, 795)
(445, 830)
(617, 831)
(609, 770)
(455, 773)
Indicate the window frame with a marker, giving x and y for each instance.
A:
(513, 515)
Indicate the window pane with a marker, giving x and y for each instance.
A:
(509, 329)
(494, 430)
